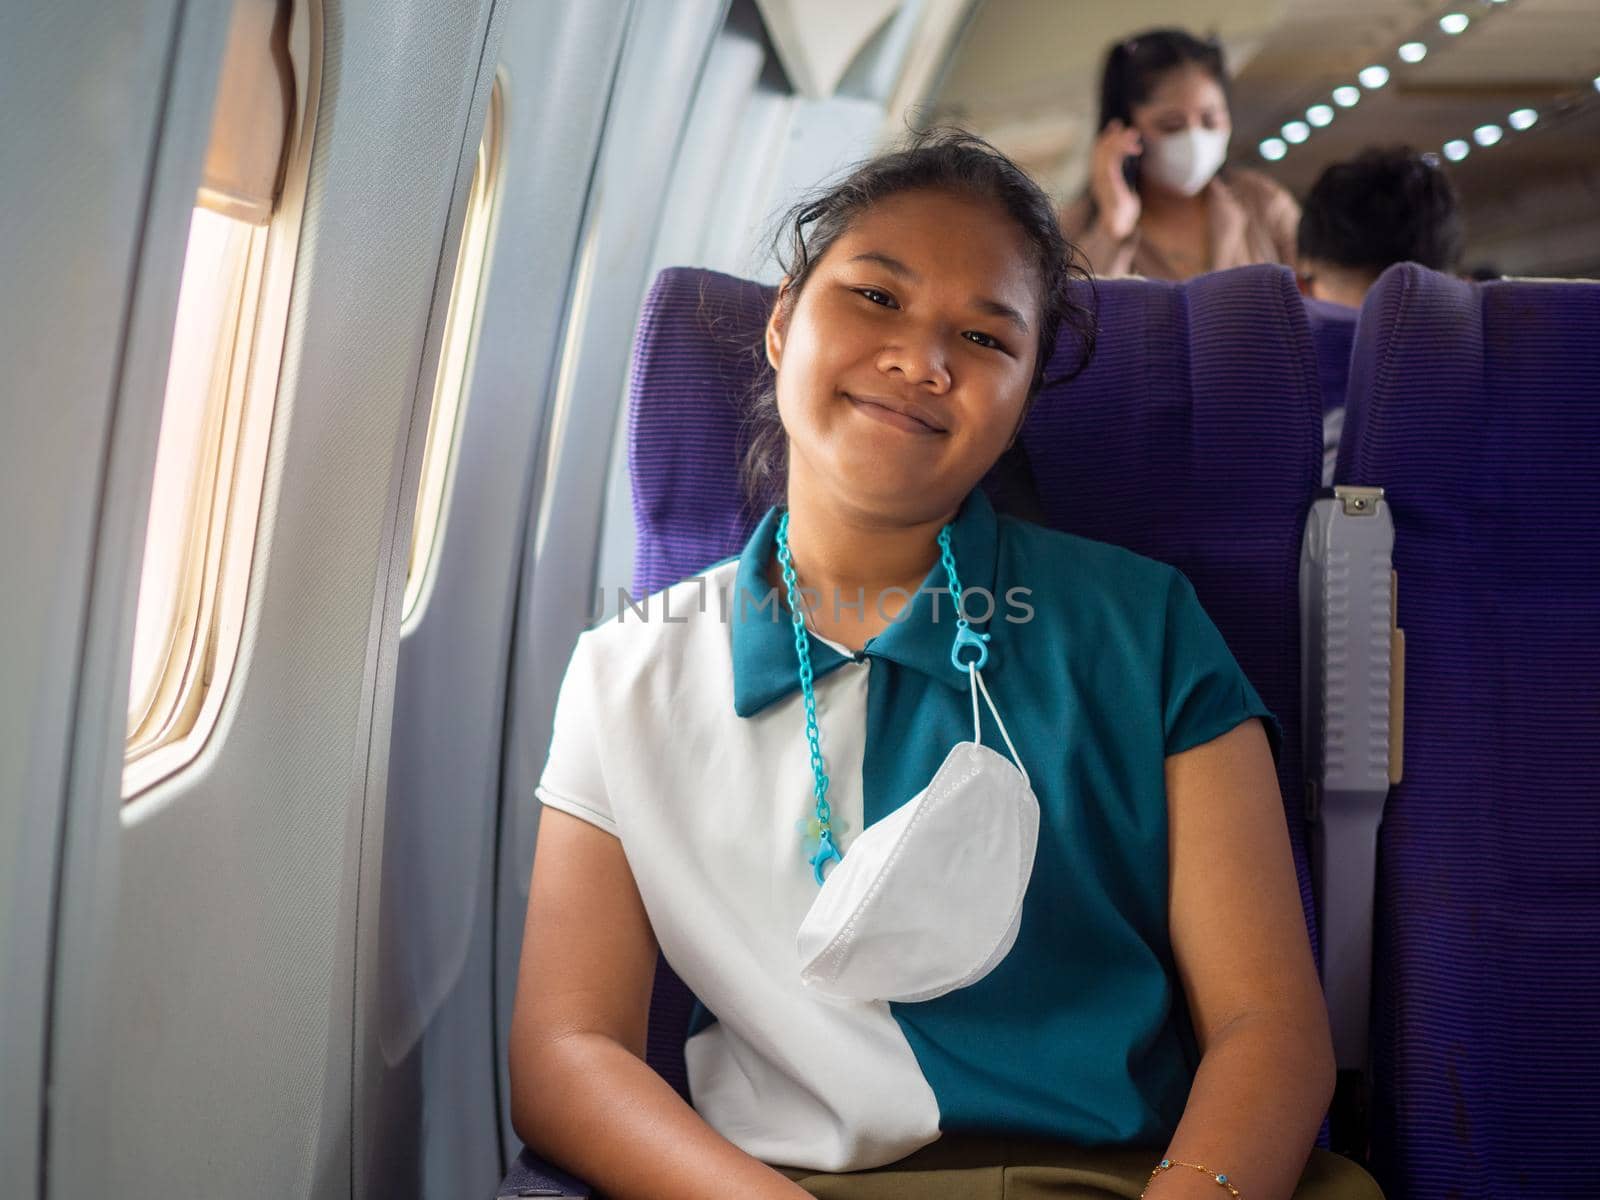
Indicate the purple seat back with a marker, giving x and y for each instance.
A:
(1333, 332)
(1195, 437)
(697, 357)
(1477, 408)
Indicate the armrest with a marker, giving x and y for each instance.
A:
(532, 1176)
(1352, 656)
(1353, 671)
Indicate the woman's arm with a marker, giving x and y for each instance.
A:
(1266, 1070)
(581, 1093)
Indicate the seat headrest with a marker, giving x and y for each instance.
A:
(1472, 389)
(697, 358)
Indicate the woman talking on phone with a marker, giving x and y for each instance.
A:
(1160, 202)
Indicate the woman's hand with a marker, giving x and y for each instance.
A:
(1116, 203)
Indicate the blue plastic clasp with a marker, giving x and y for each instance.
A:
(966, 638)
(826, 852)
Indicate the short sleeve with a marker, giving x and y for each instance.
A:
(1204, 692)
(573, 780)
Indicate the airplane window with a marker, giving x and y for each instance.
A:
(450, 385)
(174, 599)
(222, 371)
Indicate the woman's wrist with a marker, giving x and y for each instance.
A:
(1176, 1178)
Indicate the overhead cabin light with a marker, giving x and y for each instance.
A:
(1413, 52)
(1454, 23)
(1457, 150)
(1373, 78)
(1347, 96)
(1320, 115)
(1296, 132)
(1273, 149)
(1597, 83)
(1487, 135)
(1522, 119)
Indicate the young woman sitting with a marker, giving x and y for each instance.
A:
(964, 831)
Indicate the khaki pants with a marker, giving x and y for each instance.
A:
(988, 1168)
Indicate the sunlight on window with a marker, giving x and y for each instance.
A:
(221, 389)
(173, 600)
(444, 416)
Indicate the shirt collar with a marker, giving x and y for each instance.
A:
(765, 668)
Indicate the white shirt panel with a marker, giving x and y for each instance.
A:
(706, 806)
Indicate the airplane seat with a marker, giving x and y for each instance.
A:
(1194, 436)
(1476, 407)
(698, 354)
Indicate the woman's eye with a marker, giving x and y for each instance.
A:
(978, 337)
(877, 297)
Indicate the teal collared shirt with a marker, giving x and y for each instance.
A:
(1102, 664)
(764, 664)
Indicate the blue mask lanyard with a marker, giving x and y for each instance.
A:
(965, 638)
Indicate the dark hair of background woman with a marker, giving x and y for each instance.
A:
(941, 160)
(1134, 65)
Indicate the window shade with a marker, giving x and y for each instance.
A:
(254, 111)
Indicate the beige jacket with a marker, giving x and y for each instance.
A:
(1253, 220)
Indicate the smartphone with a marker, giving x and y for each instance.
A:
(1130, 170)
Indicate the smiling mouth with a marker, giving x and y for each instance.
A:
(880, 411)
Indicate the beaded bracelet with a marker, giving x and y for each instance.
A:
(1166, 1164)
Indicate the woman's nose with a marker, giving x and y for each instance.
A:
(920, 360)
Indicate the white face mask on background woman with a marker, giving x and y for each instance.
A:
(1185, 161)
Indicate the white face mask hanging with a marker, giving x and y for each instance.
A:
(1186, 161)
(929, 899)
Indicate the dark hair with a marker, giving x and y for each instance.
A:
(938, 160)
(1385, 206)
(1134, 64)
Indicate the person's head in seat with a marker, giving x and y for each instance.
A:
(1384, 206)
(926, 292)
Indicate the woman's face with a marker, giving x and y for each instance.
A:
(904, 365)
(1186, 97)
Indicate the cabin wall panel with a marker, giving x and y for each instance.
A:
(437, 1131)
(225, 1058)
(85, 91)
(663, 56)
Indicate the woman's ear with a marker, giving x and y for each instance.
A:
(778, 324)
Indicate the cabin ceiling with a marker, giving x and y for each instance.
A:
(1026, 75)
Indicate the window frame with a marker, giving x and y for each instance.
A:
(457, 356)
(204, 646)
